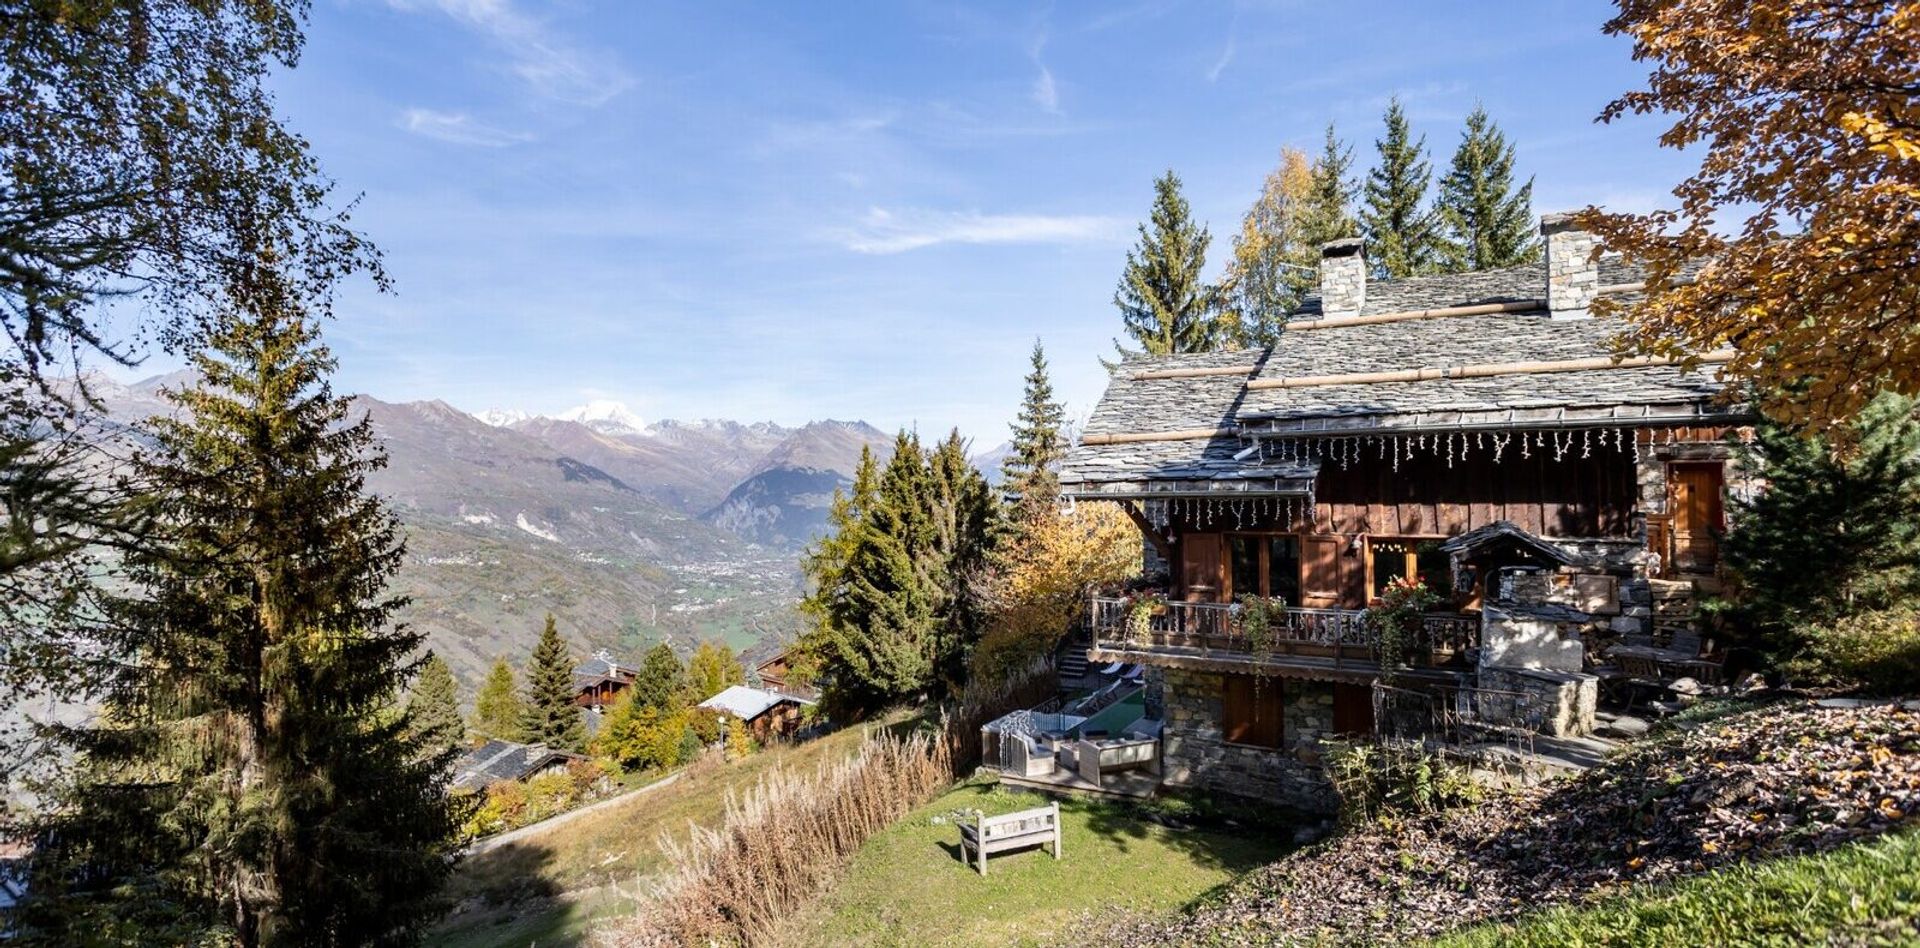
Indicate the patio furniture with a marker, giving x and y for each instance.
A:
(1030, 758)
(994, 834)
(1096, 758)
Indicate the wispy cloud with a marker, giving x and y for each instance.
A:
(1220, 65)
(881, 231)
(458, 128)
(551, 66)
(1046, 92)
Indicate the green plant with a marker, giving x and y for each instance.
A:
(1878, 651)
(1379, 781)
(1141, 608)
(1396, 622)
(1256, 615)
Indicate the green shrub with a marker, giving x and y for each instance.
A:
(1379, 781)
(1878, 651)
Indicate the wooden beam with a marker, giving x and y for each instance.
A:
(1184, 434)
(1608, 289)
(1195, 373)
(1487, 370)
(1140, 520)
(1477, 309)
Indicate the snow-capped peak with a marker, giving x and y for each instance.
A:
(606, 416)
(502, 417)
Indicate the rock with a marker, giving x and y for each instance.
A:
(1846, 704)
(1623, 727)
(1685, 687)
(1750, 683)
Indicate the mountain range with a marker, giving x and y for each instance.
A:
(628, 533)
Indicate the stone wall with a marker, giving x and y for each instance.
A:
(1561, 705)
(1199, 758)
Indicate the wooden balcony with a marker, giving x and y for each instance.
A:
(1337, 643)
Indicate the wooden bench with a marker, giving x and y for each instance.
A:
(995, 834)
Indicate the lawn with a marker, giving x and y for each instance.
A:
(908, 885)
(1862, 894)
(547, 889)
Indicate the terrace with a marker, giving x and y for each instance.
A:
(1326, 643)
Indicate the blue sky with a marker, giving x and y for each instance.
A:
(863, 210)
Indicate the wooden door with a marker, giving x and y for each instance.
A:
(1320, 572)
(1698, 515)
(1202, 564)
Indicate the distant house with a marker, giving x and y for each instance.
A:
(13, 881)
(776, 674)
(766, 713)
(598, 680)
(495, 761)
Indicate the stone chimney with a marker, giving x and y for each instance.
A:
(1343, 277)
(1573, 275)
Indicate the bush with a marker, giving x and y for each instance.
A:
(1878, 651)
(1379, 781)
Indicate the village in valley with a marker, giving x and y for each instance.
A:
(1486, 543)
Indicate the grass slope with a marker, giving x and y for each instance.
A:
(1862, 894)
(908, 885)
(549, 888)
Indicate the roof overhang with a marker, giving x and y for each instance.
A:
(1296, 481)
(1267, 426)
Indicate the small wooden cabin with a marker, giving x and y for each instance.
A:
(600, 679)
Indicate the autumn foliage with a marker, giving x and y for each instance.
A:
(1043, 579)
(1806, 114)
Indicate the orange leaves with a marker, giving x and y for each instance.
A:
(1809, 128)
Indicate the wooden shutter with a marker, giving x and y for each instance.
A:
(1320, 572)
(1697, 514)
(1251, 710)
(1352, 709)
(1201, 567)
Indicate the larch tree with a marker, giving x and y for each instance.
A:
(551, 717)
(498, 711)
(1403, 235)
(248, 780)
(1029, 475)
(1262, 283)
(1794, 241)
(433, 706)
(661, 681)
(712, 669)
(1486, 221)
(1165, 305)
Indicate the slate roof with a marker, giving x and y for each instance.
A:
(495, 761)
(1614, 396)
(748, 703)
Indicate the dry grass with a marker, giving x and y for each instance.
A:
(791, 837)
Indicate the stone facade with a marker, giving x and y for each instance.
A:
(1199, 758)
(1343, 278)
(1573, 275)
(1562, 703)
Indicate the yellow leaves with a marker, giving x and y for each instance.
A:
(1881, 136)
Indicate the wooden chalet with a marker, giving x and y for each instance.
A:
(1473, 431)
(766, 714)
(600, 679)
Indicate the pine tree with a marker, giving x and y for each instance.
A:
(1487, 223)
(661, 683)
(1833, 534)
(434, 706)
(498, 712)
(1326, 215)
(1164, 305)
(1038, 443)
(713, 668)
(551, 716)
(247, 781)
(965, 517)
(1263, 279)
(1403, 236)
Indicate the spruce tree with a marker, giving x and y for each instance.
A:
(1486, 221)
(247, 780)
(1326, 214)
(826, 563)
(1164, 304)
(551, 716)
(498, 712)
(1403, 235)
(712, 669)
(434, 706)
(965, 516)
(1263, 279)
(1833, 534)
(661, 683)
(1038, 442)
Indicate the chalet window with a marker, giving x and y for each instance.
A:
(1251, 711)
(1352, 709)
(1266, 565)
(1393, 559)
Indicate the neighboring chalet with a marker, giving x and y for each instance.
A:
(767, 714)
(776, 674)
(1472, 431)
(496, 761)
(600, 679)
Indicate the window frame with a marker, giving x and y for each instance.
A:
(1263, 563)
(1410, 565)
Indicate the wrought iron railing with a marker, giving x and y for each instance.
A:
(1337, 634)
(1461, 716)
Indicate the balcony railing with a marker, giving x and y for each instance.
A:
(1339, 635)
